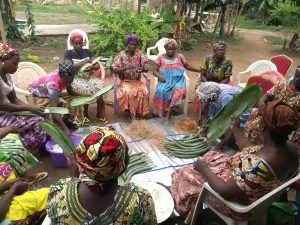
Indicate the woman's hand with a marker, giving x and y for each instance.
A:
(36, 109)
(161, 79)
(67, 131)
(199, 165)
(14, 129)
(19, 187)
(235, 124)
(92, 67)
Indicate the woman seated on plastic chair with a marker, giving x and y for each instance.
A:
(216, 67)
(89, 80)
(92, 195)
(289, 93)
(170, 89)
(247, 175)
(33, 136)
(129, 65)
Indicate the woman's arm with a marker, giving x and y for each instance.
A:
(156, 74)
(225, 81)
(57, 119)
(17, 188)
(6, 130)
(203, 111)
(203, 77)
(13, 107)
(72, 91)
(227, 189)
(191, 68)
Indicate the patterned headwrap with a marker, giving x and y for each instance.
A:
(171, 42)
(131, 37)
(6, 52)
(75, 35)
(219, 44)
(101, 154)
(208, 91)
(280, 118)
(66, 68)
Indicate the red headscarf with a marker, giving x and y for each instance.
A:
(6, 52)
(280, 118)
(75, 35)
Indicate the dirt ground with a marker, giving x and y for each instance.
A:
(250, 48)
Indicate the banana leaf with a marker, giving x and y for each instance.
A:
(235, 107)
(85, 100)
(48, 110)
(90, 64)
(24, 113)
(56, 110)
(59, 136)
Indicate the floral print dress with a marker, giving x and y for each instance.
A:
(288, 96)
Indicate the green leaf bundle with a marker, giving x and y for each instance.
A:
(59, 136)
(85, 100)
(57, 110)
(48, 110)
(235, 107)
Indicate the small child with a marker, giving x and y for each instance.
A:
(52, 86)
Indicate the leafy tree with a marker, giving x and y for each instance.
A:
(114, 24)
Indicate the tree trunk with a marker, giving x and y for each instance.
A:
(229, 21)
(223, 20)
(7, 9)
(179, 25)
(237, 17)
(197, 11)
(216, 27)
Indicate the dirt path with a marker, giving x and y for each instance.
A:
(242, 53)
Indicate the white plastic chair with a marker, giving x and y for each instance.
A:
(258, 208)
(27, 73)
(160, 47)
(85, 39)
(255, 68)
(46, 221)
(187, 91)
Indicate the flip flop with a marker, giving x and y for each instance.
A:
(102, 120)
(85, 122)
(38, 177)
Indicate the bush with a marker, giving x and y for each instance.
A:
(187, 43)
(33, 58)
(285, 13)
(114, 25)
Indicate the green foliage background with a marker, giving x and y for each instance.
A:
(117, 22)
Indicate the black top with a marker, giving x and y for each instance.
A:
(77, 57)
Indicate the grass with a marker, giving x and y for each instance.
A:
(53, 14)
(274, 40)
(50, 8)
(247, 23)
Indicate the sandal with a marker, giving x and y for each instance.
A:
(38, 177)
(85, 122)
(102, 120)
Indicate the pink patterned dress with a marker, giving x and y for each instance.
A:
(172, 92)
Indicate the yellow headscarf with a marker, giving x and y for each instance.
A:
(101, 154)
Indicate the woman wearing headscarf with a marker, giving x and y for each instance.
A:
(170, 89)
(213, 97)
(289, 93)
(247, 175)
(88, 81)
(129, 65)
(49, 88)
(32, 135)
(216, 67)
(95, 197)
